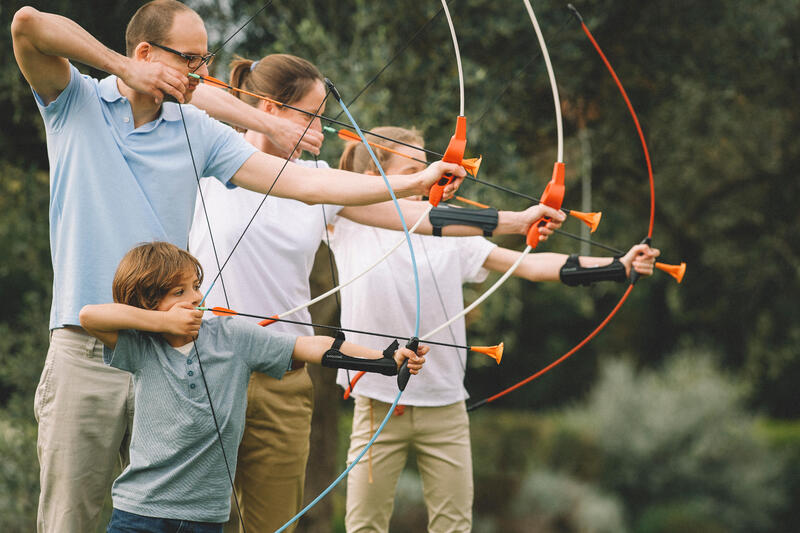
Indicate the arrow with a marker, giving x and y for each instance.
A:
(495, 352)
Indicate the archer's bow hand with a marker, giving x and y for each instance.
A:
(642, 258)
(554, 218)
(436, 172)
(415, 360)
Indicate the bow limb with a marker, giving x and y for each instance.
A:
(553, 194)
(453, 154)
(402, 378)
(220, 267)
(633, 275)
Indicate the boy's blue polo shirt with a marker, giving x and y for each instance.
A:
(176, 468)
(113, 186)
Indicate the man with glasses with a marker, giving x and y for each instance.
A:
(121, 173)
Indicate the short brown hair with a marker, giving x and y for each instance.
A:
(152, 22)
(148, 272)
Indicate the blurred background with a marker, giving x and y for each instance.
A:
(683, 414)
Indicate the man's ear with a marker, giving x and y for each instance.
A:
(142, 52)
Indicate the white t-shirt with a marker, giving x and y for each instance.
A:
(384, 300)
(268, 273)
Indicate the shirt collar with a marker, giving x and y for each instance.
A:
(109, 90)
(110, 93)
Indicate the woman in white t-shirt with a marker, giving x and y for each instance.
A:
(433, 421)
(269, 273)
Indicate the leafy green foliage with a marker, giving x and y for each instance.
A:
(715, 84)
(677, 446)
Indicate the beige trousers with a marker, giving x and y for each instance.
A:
(271, 469)
(440, 438)
(85, 414)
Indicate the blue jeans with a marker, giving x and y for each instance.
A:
(124, 522)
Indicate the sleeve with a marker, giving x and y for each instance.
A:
(80, 90)
(261, 350)
(226, 151)
(332, 212)
(473, 252)
(128, 353)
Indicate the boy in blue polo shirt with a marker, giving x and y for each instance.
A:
(178, 473)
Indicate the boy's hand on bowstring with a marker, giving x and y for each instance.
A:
(183, 319)
(415, 360)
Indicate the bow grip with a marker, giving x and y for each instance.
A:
(553, 196)
(634, 277)
(453, 154)
(404, 374)
(437, 189)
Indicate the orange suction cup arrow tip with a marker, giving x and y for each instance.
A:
(495, 352)
(590, 219)
(676, 271)
(222, 311)
(472, 165)
(268, 321)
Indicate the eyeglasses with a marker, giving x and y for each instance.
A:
(194, 62)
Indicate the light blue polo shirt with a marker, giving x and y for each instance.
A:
(176, 465)
(113, 186)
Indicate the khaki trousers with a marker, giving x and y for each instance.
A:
(440, 438)
(271, 469)
(85, 414)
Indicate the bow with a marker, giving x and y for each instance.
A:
(221, 266)
(553, 194)
(676, 271)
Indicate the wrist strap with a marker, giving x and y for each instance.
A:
(572, 273)
(446, 215)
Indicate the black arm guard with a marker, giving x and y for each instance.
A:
(386, 365)
(572, 273)
(446, 215)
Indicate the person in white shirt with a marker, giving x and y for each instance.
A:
(433, 420)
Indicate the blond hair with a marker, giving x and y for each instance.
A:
(355, 157)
